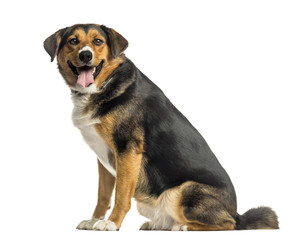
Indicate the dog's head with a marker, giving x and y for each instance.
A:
(86, 54)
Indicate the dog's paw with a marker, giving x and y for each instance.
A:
(147, 226)
(87, 224)
(179, 227)
(104, 225)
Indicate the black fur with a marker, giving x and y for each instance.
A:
(208, 205)
(257, 218)
(174, 149)
(115, 41)
(113, 95)
(50, 44)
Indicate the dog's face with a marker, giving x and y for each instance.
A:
(86, 54)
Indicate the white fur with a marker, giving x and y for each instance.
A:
(160, 219)
(86, 48)
(104, 225)
(179, 227)
(85, 124)
(161, 214)
(87, 224)
(88, 90)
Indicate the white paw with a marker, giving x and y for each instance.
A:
(104, 225)
(87, 224)
(179, 227)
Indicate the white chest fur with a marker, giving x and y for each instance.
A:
(86, 124)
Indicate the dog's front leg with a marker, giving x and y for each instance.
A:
(105, 189)
(127, 172)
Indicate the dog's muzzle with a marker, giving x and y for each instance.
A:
(85, 74)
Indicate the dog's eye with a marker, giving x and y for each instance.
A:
(97, 41)
(74, 41)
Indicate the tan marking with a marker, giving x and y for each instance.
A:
(128, 166)
(202, 227)
(105, 189)
(107, 69)
(141, 192)
(105, 130)
(70, 52)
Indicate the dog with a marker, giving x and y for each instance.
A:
(146, 149)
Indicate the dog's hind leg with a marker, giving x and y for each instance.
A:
(190, 207)
(204, 208)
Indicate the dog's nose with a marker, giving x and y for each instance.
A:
(85, 56)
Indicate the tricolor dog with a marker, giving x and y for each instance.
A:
(146, 149)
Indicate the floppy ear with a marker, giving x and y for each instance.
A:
(51, 43)
(116, 41)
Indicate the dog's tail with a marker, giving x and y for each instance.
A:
(257, 218)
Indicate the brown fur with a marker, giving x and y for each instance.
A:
(105, 189)
(127, 165)
(202, 227)
(108, 67)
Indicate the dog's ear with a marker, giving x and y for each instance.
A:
(52, 42)
(116, 41)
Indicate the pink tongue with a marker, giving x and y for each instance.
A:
(86, 77)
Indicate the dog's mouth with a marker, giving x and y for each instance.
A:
(85, 74)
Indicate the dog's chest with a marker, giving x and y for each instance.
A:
(86, 125)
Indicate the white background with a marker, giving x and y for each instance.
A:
(229, 66)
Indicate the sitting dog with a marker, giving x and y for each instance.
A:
(145, 147)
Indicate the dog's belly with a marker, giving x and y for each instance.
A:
(92, 138)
